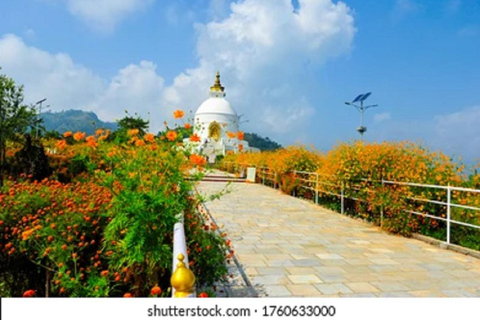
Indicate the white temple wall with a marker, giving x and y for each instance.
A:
(203, 121)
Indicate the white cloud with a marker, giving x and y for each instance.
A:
(67, 85)
(469, 31)
(104, 15)
(218, 9)
(453, 6)
(459, 132)
(455, 134)
(55, 76)
(382, 117)
(136, 88)
(404, 8)
(261, 49)
(29, 33)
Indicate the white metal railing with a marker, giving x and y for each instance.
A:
(179, 249)
(314, 183)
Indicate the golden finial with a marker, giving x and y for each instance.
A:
(217, 86)
(182, 279)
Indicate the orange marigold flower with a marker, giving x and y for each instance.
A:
(150, 137)
(156, 291)
(78, 136)
(132, 132)
(197, 160)
(240, 135)
(240, 147)
(27, 234)
(104, 273)
(231, 135)
(187, 126)
(139, 143)
(29, 293)
(67, 134)
(62, 144)
(195, 138)
(91, 141)
(171, 135)
(99, 132)
(178, 114)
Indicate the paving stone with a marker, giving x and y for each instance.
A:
(304, 279)
(303, 290)
(277, 291)
(282, 241)
(361, 287)
(333, 288)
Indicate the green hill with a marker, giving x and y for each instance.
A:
(74, 120)
(254, 140)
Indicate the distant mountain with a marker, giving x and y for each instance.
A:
(74, 120)
(264, 144)
(88, 122)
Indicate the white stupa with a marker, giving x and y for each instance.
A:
(215, 123)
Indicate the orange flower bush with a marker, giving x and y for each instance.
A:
(77, 233)
(358, 169)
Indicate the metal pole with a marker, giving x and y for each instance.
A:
(449, 198)
(342, 196)
(361, 119)
(316, 190)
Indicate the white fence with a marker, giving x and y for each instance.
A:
(317, 184)
(183, 280)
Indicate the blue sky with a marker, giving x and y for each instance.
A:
(288, 66)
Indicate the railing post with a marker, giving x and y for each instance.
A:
(316, 189)
(294, 175)
(449, 199)
(342, 198)
(381, 206)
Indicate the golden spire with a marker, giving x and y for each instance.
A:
(182, 279)
(217, 87)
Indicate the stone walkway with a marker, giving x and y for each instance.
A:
(290, 247)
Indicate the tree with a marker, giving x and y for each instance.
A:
(15, 117)
(129, 122)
